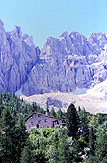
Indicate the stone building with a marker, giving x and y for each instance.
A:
(37, 120)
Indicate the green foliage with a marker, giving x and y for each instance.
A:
(26, 155)
(7, 137)
(51, 145)
(47, 107)
(84, 124)
(36, 108)
(65, 153)
(52, 113)
(18, 107)
(92, 139)
(59, 114)
(12, 138)
(72, 121)
(84, 139)
(13, 133)
(101, 141)
(99, 119)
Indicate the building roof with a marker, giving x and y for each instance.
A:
(42, 115)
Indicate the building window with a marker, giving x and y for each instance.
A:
(45, 120)
(31, 123)
(38, 115)
(39, 121)
(37, 125)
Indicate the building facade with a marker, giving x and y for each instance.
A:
(39, 121)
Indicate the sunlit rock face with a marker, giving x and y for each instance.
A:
(18, 55)
(63, 64)
(68, 62)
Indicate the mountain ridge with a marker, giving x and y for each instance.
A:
(63, 64)
(70, 60)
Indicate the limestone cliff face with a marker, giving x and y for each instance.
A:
(63, 63)
(18, 55)
(68, 62)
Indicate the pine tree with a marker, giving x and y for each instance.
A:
(1, 98)
(21, 136)
(34, 107)
(72, 121)
(47, 108)
(52, 113)
(59, 114)
(7, 137)
(85, 128)
(100, 119)
(92, 139)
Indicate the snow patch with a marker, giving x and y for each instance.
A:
(19, 92)
(79, 91)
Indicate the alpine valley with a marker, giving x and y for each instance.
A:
(71, 68)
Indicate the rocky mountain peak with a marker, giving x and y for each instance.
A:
(70, 61)
(18, 55)
(18, 31)
(64, 34)
(98, 39)
(1, 23)
(64, 63)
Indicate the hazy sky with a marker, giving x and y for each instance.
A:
(43, 18)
